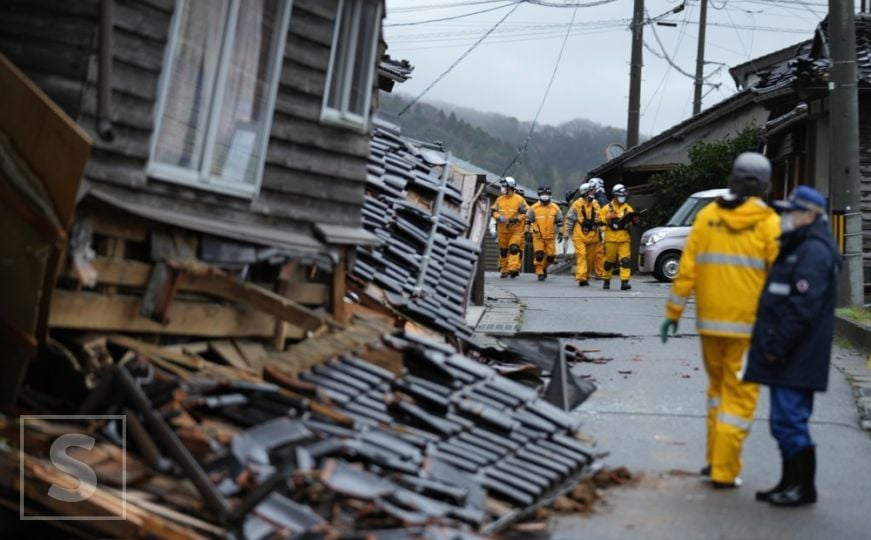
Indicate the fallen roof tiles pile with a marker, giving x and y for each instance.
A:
(395, 169)
(446, 442)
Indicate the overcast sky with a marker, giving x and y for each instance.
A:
(509, 71)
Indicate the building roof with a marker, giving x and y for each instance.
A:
(677, 131)
(396, 70)
(766, 62)
(811, 62)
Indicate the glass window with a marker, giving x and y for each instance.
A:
(220, 81)
(352, 62)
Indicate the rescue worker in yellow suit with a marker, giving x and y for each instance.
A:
(583, 227)
(730, 248)
(598, 187)
(616, 217)
(509, 211)
(544, 221)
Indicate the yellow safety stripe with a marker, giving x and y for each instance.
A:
(678, 300)
(735, 421)
(733, 260)
(720, 326)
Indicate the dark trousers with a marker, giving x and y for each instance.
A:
(790, 412)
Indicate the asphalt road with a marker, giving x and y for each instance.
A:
(648, 413)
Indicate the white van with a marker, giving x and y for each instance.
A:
(661, 247)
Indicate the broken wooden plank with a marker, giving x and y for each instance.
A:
(212, 280)
(94, 311)
(228, 352)
(319, 349)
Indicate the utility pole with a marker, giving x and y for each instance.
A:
(844, 167)
(700, 59)
(633, 124)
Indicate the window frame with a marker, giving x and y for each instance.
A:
(343, 117)
(202, 178)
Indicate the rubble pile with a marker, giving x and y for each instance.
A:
(415, 436)
(424, 263)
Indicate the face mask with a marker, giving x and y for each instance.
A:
(787, 223)
(621, 199)
(503, 190)
(545, 198)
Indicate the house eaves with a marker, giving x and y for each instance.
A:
(678, 131)
(764, 63)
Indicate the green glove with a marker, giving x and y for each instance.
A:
(663, 329)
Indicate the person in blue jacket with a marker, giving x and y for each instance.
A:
(791, 345)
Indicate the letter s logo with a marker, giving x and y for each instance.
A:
(83, 473)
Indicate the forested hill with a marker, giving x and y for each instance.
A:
(558, 156)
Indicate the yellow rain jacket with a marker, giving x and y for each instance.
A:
(608, 214)
(510, 206)
(726, 259)
(544, 220)
(583, 210)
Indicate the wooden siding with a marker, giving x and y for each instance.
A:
(314, 171)
(50, 41)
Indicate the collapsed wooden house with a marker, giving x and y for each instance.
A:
(233, 134)
(178, 175)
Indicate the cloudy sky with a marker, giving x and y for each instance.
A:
(509, 71)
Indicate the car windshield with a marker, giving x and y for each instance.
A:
(687, 212)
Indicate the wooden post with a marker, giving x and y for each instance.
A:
(279, 338)
(339, 287)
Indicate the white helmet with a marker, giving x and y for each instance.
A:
(585, 188)
(596, 182)
(619, 189)
(509, 182)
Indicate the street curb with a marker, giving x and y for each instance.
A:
(858, 335)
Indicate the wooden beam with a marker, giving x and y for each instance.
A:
(93, 311)
(213, 281)
(135, 274)
(339, 287)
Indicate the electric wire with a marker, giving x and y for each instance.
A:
(457, 61)
(454, 17)
(559, 57)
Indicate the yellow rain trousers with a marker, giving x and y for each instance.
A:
(586, 243)
(509, 235)
(728, 253)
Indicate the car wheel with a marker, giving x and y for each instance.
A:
(667, 266)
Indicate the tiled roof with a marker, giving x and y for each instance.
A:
(811, 64)
(397, 70)
(401, 209)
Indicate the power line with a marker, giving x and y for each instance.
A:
(427, 7)
(458, 60)
(543, 99)
(664, 56)
(464, 15)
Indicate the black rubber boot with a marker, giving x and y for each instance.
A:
(787, 477)
(542, 277)
(625, 286)
(606, 284)
(513, 275)
(503, 275)
(802, 490)
(583, 283)
(705, 471)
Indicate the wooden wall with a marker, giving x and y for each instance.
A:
(314, 172)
